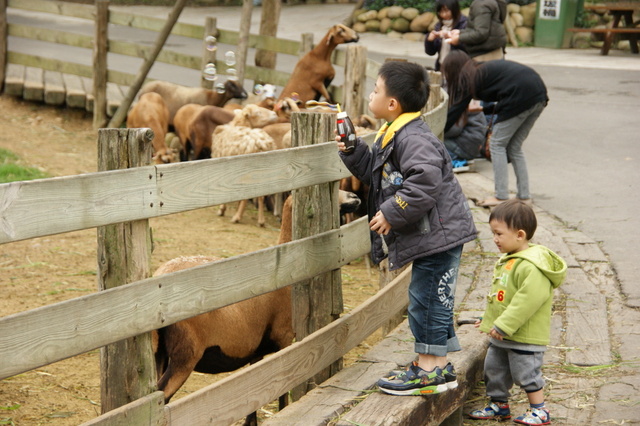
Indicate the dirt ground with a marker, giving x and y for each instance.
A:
(46, 270)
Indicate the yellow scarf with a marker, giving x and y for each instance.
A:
(390, 129)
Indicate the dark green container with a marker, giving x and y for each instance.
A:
(553, 18)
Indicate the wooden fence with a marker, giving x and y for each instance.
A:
(32, 209)
(51, 333)
(58, 81)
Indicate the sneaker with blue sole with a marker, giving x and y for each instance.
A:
(414, 381)
(534, 416)
(493, 411)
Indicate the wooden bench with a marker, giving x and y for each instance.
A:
(608, 36)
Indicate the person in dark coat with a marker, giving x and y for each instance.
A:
(521, 96)
(449, 18)
(417, 214)
(484, 38)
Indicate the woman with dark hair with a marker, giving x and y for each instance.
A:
(521, 95)
(449, 18)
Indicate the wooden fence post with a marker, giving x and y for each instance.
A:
(127, 368)
(306, 44)
(355, 80)
(3, 41)
(100, 69)
(243, 40)
(316, 302)
(208, 55)
(268, 27)
(121, 113)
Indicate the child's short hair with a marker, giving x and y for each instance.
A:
(408, 82)
(517, 215)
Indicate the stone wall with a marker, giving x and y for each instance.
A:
(410, 24)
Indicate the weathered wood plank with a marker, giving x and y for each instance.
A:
(382, 409)
(587, 333)
(75, 95)
(56, 7)
(50, 64)
(14, 80)
(95, 199)
(54, 91)
(124, 256)
(276, 374)
(114, 98)
(33, 84)
(148, 410)
(41, 336)
(338, 394)
(88, 88)
(51, 35)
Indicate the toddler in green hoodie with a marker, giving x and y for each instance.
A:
(518, 314)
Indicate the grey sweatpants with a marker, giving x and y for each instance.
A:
(504, 367)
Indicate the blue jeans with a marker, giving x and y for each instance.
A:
(431, 297)
(506, 141)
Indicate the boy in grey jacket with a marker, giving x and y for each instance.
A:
(417, 214)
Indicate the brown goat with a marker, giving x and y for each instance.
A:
(314, 71)
(175, 95)
(151, 111)
(230, 337)
(194, 124)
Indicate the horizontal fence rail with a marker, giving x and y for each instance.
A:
(79, 202)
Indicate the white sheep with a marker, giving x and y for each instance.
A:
(243, 135)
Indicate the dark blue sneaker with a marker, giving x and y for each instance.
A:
(492, 412)
(414, 381)
(450, 376)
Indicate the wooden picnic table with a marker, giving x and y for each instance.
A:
(618, 10)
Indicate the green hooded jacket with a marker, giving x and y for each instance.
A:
(521, 296)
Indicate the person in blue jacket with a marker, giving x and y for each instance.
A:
(418, 214)
(437, 41)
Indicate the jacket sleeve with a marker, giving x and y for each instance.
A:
(527, 300)
(358, 161)
(481, 30)
(421, 165)
(455, 111)
(433, 47)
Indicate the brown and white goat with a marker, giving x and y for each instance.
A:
(194, 124)
(314, 71)
(232, 336)
(175, 95)
(152, 112)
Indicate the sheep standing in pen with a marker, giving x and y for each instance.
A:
(152, 112)
(194, 124)
(314, 71)
(230, 337)
(243, 135)
(175, 95)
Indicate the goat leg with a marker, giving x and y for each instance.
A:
(261, 211)
(242, 205)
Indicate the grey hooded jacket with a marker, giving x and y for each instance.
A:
(485, 30)
(411, 181)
